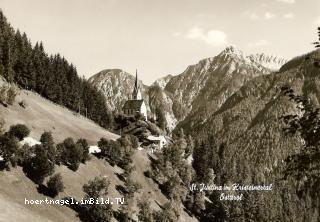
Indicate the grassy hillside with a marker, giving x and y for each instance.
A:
(42, 115)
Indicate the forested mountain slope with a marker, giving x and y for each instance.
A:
(251, 145)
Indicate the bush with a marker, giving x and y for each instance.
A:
(23, 104)
(70, 154)
(55, 184)
(20, 131)
(169, 213)
(95, 189)
(111, 150)
(2, 123)
(11, 94)
(8, 148)
(47, 142)
(85, 149)
(39, 166)
(3, 94)
(8, 94)
(23, 153)
(145, 211)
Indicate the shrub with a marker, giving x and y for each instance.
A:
(39, 166)
(70, 154)
(8, 148)
(169, 213)
(23, 104)
(111, 150)
(20, 131)
(2, 123)
(3, 94)
(133, 140)
(11, 94)
(47, 142)
(24, 153)
(145, 212)
(85, 149)
(55, 184)
(8, 93)
(96, 212)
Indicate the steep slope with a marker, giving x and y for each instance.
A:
(42, 115)
(117, 86)
(249, 126)
(205, 86)
(162, 82)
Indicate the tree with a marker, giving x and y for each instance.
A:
(172, 187)
(126, 210)
(8, 148)
(169, 213)
(317, 44)
(55, 184)
(304, 167)
(111, 150)
(161, 118)
(38, 166)
(190, 146)
(200, 161)
(94, 189)
(196, 202)
(203, 161)
(20, 131)
(70, 154)
(85, 148)
(11, 94)
(52, 76)
(145, 211)
(47, 142)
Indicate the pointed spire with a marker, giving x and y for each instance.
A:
(136, 94)
(136, 83)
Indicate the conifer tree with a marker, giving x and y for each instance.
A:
(317, 43)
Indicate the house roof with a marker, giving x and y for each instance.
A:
(156, 138)
(133, 104)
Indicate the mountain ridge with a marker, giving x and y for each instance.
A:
(117, 84)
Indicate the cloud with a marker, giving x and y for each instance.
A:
(259, 43)
(255, 16)
(269, 15)
(287, 1)
(289, 15)
(212, 37)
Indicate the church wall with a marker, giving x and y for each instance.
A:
(143, 110)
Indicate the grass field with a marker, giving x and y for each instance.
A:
(42, 115)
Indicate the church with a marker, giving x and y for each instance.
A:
(136, 104)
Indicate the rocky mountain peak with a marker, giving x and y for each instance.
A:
(271, 62)
(231, 50)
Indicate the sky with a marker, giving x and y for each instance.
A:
(161, 37)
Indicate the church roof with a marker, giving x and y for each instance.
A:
(133, 104)
(136, 85)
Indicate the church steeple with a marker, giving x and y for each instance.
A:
(136, 95)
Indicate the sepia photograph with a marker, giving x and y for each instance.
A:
(160, 111)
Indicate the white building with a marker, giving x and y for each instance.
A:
(158, 141)
(136, 104)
